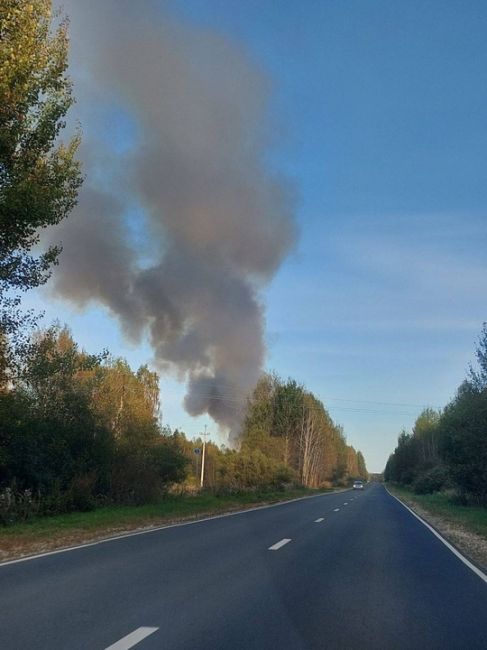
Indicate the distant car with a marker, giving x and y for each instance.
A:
(358, 485)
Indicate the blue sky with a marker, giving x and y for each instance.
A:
(380, 114)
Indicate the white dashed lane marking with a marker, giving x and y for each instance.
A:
(318, 521)
(133, 638)
(336, 510)
(278, 545)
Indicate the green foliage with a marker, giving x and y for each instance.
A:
(17, 505)
(141, 474)
(287, 415)
(402, 466)
(250, 470)
(39, 176)
(464, 443)
(478, 377)
(362, 468)
(80, 495)
(291, 426)
(78, 429)
(433, 480)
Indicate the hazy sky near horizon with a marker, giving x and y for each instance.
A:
(381, 123)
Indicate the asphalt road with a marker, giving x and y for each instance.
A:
(359, 571)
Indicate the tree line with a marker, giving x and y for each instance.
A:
(287, 437)
(292, 426)
(447, 449)
(79, 430)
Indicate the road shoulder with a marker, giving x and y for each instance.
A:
(32, 543)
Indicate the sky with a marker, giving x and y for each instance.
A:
(379, 126)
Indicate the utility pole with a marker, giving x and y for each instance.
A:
(204, 435)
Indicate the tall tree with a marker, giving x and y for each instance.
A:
(126, 403)
(425, 432)
(39, 176)
(288, 416)
(309, 441)
(478, 377)
(362, 468)
(463, 442)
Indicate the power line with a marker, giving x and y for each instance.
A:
(230, 391)
(238, 395)
(242, 401)
(365, 401)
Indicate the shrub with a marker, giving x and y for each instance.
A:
(17, 505)
(81, 493)
(283, 476)
(143, 474)
(434, 480)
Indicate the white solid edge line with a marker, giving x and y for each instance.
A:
(156, 529)
(456, 552)
(318, 521)
(278, 545)
(133, 638)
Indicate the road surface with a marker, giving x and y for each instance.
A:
(345, 570)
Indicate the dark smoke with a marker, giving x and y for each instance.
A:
(213, 223)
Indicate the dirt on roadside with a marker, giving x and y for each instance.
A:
(15, 547)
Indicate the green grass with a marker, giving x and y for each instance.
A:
(472, 518)
(119, 517)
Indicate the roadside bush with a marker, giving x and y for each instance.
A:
(81, 493)
(132, 480)
(17, 505)
(144, 474)
(434, 480)
(251, 471)
(326, 485)
(284, 476)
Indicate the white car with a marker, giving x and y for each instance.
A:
(358, 485)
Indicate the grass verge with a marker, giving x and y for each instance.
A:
(464, 526)
(49, 533)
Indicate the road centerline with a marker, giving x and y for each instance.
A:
(280, 544)
(132, 639)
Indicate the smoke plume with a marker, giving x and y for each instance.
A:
(180, 223)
